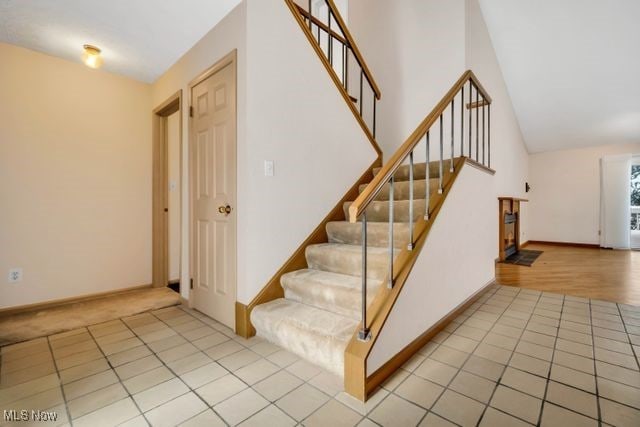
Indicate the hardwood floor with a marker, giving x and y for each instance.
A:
(585, 272)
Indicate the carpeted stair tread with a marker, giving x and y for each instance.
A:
(337, 293)
(401, 189)
(419, 170)
(316, 335)
(377, 233)
(347, 259)
(378, 211)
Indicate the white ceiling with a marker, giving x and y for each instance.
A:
(572, 68)
(139, 38)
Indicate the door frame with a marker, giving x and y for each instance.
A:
(229, 59)
(160, 188)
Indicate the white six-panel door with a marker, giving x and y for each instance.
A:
(213, 183)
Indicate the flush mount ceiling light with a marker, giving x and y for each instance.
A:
(91, 56)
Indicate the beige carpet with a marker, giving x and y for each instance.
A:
(39, 323)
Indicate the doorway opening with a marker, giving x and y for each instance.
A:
(166, 205)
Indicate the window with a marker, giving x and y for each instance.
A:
(635, 197)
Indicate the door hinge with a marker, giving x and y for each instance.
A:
(191, 111)
(191, 283)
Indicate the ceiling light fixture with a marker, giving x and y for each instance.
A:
(91, 56)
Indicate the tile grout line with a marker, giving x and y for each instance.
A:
(175, 374)
(595, 366)
(64, 397)
(445, 387)
(119, 379)
(229, 372)
(626, 331)
(553, 356)
(498, 381)
(460, 369)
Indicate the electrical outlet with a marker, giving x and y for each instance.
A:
(15, 275)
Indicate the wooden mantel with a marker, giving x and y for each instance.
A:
(509, 235)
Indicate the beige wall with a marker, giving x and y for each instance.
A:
(75, 179)
(565, 194)
(227, 35)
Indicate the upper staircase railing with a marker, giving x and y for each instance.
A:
(330, 37)
(465, 129)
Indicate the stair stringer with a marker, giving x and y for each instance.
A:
(360, 380)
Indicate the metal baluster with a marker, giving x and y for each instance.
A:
(310, 15)
(363, 334)
(462, 122)
(427, 186)
(483, 129)
(410, 245)
(452, 120)
(440, 170)
(329, 38)
(477, 124)
(330, 47)
(470, 115)
(375, 100)
(489, 135)
(360, 99)
(346, 68)
(391, 200)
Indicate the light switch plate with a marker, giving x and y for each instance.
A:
(268, 168)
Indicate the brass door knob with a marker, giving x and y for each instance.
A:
(224, 209)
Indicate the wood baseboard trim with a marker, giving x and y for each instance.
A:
(524, 245)
(570, 244)
(393, 364)
(71, 300)
(243, 323)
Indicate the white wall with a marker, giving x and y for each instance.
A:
(509, 156)
(75, 179)
(289, 111)
(228, 35)
(173, 161)
(442, 279)
(565, 195)
(297, 118)
(415, 50)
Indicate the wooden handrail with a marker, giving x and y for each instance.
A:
(321, 24)
(354, 48)
(358, 207)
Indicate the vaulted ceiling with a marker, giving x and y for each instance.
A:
(572, 68)
(140, 39)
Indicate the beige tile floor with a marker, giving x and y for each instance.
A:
(515, 358)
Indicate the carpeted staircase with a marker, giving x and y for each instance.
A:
(321, 306)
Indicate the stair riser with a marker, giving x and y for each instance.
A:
(401, 190)
(379, 211)
(345, 302)
(419, 170)
(347, 263)
(315, 335)
(377, 234)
